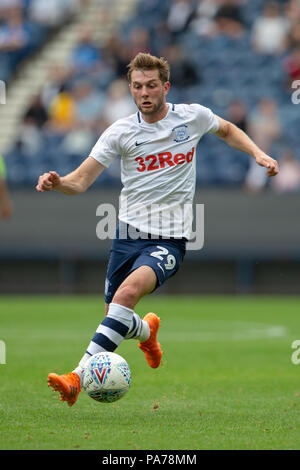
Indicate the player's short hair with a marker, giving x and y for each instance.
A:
(146, 61)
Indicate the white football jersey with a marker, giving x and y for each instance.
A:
(158, 167)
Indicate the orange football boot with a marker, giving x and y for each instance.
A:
(68, 386)
(150, 347)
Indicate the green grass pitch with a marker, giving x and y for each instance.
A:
(227, 380)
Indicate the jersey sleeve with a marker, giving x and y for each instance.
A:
(206, 119)
(107, 146)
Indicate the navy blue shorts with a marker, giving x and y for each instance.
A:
(164, 256)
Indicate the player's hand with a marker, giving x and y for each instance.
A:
(268, 162)
(48, 182)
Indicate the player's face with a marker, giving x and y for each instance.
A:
(148, 91)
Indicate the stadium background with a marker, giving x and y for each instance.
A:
(64, 62)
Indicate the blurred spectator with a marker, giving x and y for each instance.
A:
(229, 19)
(118, 103)
(37, 112)
(292, 11)
(29, 140)
(183, 71)
(58, 76)
(139, 41)
(14, 32)
(78, 141)
(237, 114)
(270, 30)
(86, 55)
(288, 178)
(14, 39)
(203, 22)
(256, 179)
(88, 108)
(62, 112)
(265, 129)
(6, 4)
(5, 202)
(19, 35)
(52, 12)
(180, 15)
(264, 124)
(294, 35)
(88, 102)
(102, 15)
(160, 38)
(291, 65)
(116, 54)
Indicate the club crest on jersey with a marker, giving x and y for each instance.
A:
(181, 133)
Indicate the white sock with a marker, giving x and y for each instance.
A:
(139, 329)
(109, 334)
(81, 366)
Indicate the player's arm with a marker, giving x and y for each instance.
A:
(239, 140)
(76, 182)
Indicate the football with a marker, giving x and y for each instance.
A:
(107, 377)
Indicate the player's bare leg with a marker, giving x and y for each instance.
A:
(139, 283)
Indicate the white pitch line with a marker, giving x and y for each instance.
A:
(249, 332)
